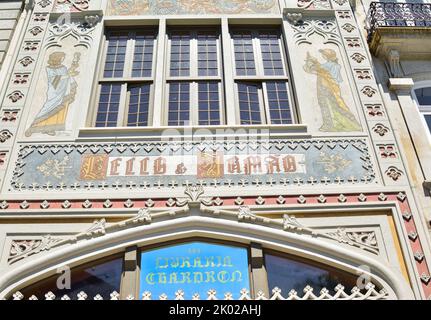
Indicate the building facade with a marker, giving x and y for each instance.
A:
(243, 149)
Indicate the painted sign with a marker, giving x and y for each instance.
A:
(194, 268)
(173, 164)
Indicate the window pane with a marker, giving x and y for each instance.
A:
(109, 102)
(96, 278)
(138, 105)
(209, 103)
(115, 56)
(244, 55)
(278, 102)
(179, 104)
(143, 56)
(180, 55)
(249, 104)
(294, 274)
(271, 53)
(207, 54)
(428, 121)
(424, 96)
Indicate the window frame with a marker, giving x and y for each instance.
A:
(193, 79)
(127, 79)
(423, 109)
(260, 76)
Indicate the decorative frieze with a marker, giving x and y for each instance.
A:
(167, 165)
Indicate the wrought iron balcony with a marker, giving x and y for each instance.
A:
(392, 22)
(392, 14)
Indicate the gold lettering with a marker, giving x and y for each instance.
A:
(114, 166)
(289, 164)
(173, 278)
(186, 262)
(175, 262)
(159, 265)
(236, 274)
(198, 277)
(272, 164)
(197, 262)
(129, 167)
(162, 277)
(233, 165)
(252, 164)
(227, 262)
(186, 277)
(144, 166)
(160, 166)
(150, 278)
(223, 276)
(210, 276)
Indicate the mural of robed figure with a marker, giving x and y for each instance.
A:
(336, 115)
(61, 93)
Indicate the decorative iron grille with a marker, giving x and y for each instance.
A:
(392, 14)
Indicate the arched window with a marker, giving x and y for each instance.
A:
(195, 267)
(423, 99)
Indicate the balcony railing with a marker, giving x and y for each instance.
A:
(392, 14)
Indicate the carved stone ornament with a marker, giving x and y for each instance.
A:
(21, 249)
(80, 30)
(369, 292)
(393, 63)
(325, 28)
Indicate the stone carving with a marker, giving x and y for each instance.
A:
(44, 3)
(375, 110)
(5, 135)
(20, 78)
(336, 115)
(62, 89)
(340, 2)
(380, 129)
(393, 63)
(394, 173)
(387, 151)
(348, 27)
(163, 7)
(2, 158)
(353, 42)
(369, 91)
(15, 96)
(294, 17)
(314, 4)
(26, 61)
(35, 31)
(363, 74)
(357, 57)
(31, 45)
(21, 249)
(9, 115)
(344, 14)
(305, 28)
(71, 5)
(80, 30)
(363, 240)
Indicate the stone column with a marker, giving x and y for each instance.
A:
(402, 87)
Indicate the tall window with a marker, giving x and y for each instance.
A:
(423, 97)
(194, 77)
(126, 84)
(261, 76)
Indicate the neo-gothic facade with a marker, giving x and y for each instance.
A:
(243, 149)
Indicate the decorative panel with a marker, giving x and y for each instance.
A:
(145, 165)
(163, 7)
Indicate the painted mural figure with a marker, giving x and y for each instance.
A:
(336, 115)
(61, 93)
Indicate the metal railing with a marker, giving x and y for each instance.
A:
(393, 14)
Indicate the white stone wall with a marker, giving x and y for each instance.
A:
(10, 11)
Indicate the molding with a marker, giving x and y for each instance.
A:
(401, 84)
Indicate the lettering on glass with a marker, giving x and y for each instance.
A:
(194, 268)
